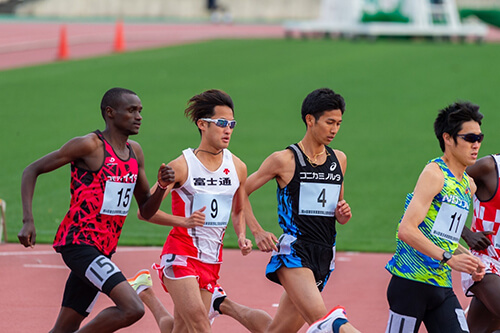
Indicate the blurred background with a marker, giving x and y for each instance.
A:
(396, 62)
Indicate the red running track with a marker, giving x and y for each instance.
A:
(23, 44)
(33, 282)
(26, 43)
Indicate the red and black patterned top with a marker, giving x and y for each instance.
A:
(100, 202)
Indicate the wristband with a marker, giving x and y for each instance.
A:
(161, 187)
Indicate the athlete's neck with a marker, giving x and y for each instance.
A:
(457, 168)
(314, 154)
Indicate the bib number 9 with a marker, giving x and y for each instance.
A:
(218, 208)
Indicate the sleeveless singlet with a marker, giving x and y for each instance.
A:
(100, 202)
(306, 206)
(487, 218)
(213, 189)
(442, 225)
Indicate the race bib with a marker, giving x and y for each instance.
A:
(318, 199)
(218, 208)
(449, 222)
(117, 198)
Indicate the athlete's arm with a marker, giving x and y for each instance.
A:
(476, 240)
(279, 165)
(429, 184)
(149, 202)
(237, 212)
(343, 211)
(77, 149)
(197, 219)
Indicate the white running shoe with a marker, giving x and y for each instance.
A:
(325, 324)
(219, 294)
(141, 281)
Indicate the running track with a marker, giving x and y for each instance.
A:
(33, 282)
(24, 44)
(33, 279)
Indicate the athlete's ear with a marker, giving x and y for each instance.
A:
(109, 112)
(310, 120)
(448, 140)
(201, 124)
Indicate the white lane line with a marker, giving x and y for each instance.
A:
(45, 266)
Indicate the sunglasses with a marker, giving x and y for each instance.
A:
(471, 137)
(221, 122)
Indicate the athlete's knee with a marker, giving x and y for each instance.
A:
(133, 312)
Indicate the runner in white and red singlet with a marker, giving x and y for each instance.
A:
(484, 242)
(208, 190)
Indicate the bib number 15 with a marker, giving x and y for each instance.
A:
(117, 198)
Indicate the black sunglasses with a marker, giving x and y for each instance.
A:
(471, 137)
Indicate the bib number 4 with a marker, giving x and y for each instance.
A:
(318, 199)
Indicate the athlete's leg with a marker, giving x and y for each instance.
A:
(127, 310)
(300, 286)
(484, 310)
(303, 300)
(448, 316)
(254, 320)
(163, 318)
(190, 311)
(287, 318)
(480, 319)
(334, 322)
(68, 320)
(76, 305)
(142, 284)
(407, 302)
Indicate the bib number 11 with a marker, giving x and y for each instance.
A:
(449, 222)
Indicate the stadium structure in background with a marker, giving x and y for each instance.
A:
(404, 18)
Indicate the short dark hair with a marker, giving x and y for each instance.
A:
(321, 100)
(203, 105)
(112, 97)
(451, 118)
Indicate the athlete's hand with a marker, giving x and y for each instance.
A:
(197, 219)
(166, 175)
(478, 240)
(343, 212)
(478, 275)
(27, 234)
(266, 241)
(464, 263)
(245, 245)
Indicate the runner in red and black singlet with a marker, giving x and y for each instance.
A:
(107, 169)
(84, 223)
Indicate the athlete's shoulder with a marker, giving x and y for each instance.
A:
(238, 163)
(282, 156)
(432, 177)
(178, 163)
(85, 144)
(134, 144)
(341, 156)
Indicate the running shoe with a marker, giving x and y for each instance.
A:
(217, 298)
(141, 281)
(325, 324)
